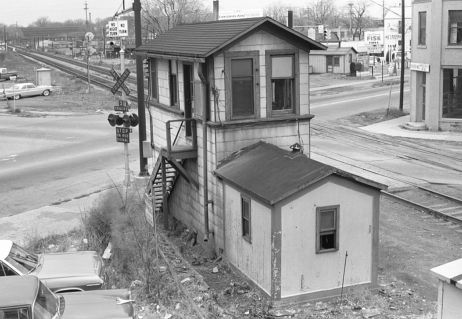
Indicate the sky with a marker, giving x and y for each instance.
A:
(24, 12)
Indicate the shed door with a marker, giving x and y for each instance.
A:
(330, 64)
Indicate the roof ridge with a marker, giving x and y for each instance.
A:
(223, 21)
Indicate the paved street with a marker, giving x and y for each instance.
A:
(46, 160)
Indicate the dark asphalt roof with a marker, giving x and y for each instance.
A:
(17, 290)
(204, 39)
(272, 174)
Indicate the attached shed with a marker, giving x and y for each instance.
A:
(449, 289)
(291, 224)
(332, 60)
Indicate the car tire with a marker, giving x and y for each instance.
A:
(46, 93)
(17, 97)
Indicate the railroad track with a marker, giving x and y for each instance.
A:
(433, 202)
(423, 198)
(102, 78)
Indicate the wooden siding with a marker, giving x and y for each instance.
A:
(253, 259)
(304, 271)
(449, 301)
(260, 41)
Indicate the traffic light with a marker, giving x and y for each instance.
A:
(325, 34)
(115, 119)
(130, 120)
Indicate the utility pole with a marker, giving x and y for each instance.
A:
(140, 89)
(351, 17)
(403, 58)
(86, 13)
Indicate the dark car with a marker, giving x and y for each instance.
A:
(26, 297)
(61, 272)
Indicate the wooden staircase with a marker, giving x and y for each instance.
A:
(168, 167)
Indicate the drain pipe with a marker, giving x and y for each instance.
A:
(204, 153)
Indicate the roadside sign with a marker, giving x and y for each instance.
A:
(123, 134)
(117, 28)
(122, 28)
(120, 79)
(122, 107)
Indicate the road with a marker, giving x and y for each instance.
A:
(334, 106)
(45, 160)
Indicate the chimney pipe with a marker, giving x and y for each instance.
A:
(216, 10)
(290, 19)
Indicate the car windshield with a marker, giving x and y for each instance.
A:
(46, 304)
(22, 260)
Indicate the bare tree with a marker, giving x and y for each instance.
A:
(162, 15)
(277, 12)
(358, 17)
(321, 12)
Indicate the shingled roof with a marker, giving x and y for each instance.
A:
(201, 40)
(272, 174)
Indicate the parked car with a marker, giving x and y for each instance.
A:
(5, 75)
(61, 272)
(20, 90)
(26, 297)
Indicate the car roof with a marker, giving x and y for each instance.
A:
(5, 247)
(18, 290)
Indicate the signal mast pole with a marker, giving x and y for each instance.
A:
(140, 89)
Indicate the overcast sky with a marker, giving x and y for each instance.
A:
(25, 12)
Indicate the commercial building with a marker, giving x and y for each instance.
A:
(436, 68)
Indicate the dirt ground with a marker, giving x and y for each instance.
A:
(411, 243)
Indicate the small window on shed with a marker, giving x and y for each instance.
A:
(173, 79)
(153, 79)
(245, 211)
(336, 61)
(327, 232)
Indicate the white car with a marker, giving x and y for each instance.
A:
(61, 272)
(20, 90)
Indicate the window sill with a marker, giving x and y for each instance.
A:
(247, 239)
(326, 251)
(261, 121)
(454, 46)
(421, 46)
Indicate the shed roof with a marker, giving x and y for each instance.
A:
(450, 273)
(18, 290)
(201, 40)
(333, 51)
(272, 174)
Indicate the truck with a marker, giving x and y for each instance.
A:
(5, 75)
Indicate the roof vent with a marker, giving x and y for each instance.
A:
(296, 148)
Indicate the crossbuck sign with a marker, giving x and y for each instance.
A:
(120, 79)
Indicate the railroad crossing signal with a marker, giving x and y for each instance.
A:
(120, 79)
(125, 119)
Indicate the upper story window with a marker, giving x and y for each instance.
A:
(327, 229)
(153, 79)
(282, 83)
(242, 88)
(455, 27)
(173, 82)
(422, 38)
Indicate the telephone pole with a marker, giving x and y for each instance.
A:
(86, 13)
(140, 89)
(403, 57)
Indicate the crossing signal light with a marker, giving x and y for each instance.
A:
(325, 34)
(130, 120)
(114, 119)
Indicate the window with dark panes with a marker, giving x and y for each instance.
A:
(245, 211)
(327, 229)
(282, 82)
(336, 61)
(173, 83)
(452, 93)
(455, 27)
(153, 78)
(422, 28)
(242, 84)
(15, 313)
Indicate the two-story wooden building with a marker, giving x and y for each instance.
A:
(215, 89)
